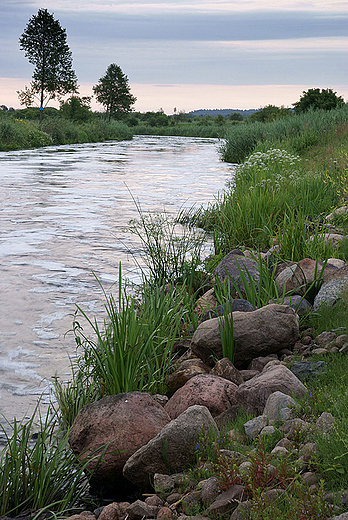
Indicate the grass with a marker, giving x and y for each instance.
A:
(38, 470)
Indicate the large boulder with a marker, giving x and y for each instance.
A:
(172, 450)
(258, 333)
(229, 271)
(214, 392)
(115, 427)
(253, 394)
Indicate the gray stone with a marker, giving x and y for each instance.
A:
(324, 423)
(278, 407)
(325, 338)
(300, 305)
(228, 271)
(139, 509)
(267, 430)
(306, 369)
(209, 490)
(237, 304)
(227, 501)
(331, 291)
(253, 427)
(258, 333)
(172, 450)
(163, 483)
(253, 394)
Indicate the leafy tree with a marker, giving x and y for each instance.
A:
(269, 113)
(315, 98)
(235, 116)
(44, 44)
(113, 92)
(76, 108)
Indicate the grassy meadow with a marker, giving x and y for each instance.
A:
(291, 174)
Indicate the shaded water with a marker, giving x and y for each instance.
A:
(63, 211)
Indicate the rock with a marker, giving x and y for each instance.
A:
(253, 394)
(325, 338)
(163, 483)
(308, 451)
(154, 500)
(242, 510)
(300, 305)
(214, 392)
(334, 238)
(258, 333)
(296, 277)
(324, 423)
(253, 427)
(319, 351)
(164, 513)
(227, 417)
(172, 450)
(271, 495)
(330, 292)
(310, 478)
(259, 363)
(227, 501)
(295, 429)
(225, 368)
(84, 515)
(186, 371)
(114, 511)
(339, 211)
(209, 490)
(190, 501)
(139, 509)
(278, 407)
(306, 369)
(336, 262)
(343, 516)
(206, 302)
(280, 451)
(114, 428)
(228, 271)
(233, 456)
(267, 430)
(237, 304)
(341, 340)
(249, 374)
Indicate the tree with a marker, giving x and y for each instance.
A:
(113, 92)
(76, 108)
(315, 98)
(45, 46)
(269, 113)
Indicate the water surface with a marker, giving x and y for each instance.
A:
(63, 214)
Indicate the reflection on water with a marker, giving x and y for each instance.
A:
(63, 211)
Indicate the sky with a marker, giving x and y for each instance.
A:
(191, 54)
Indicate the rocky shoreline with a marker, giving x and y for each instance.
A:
(149, 442)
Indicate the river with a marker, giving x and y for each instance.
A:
(63, 214)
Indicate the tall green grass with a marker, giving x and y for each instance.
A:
(268, 194)
(16, 134)
(38, 471)
(295, 133)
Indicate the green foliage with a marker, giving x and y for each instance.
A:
(314, 99)
(296, 133)
(269, 113)
(18, 134)
(113, 92)
(77, 109)
(39, 472)
(45, 46)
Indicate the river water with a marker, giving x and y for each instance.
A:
(63, 211)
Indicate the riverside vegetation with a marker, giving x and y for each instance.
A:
(285, 185)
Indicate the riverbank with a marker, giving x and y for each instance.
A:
(296, 193)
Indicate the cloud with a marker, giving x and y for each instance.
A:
(191, 6)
